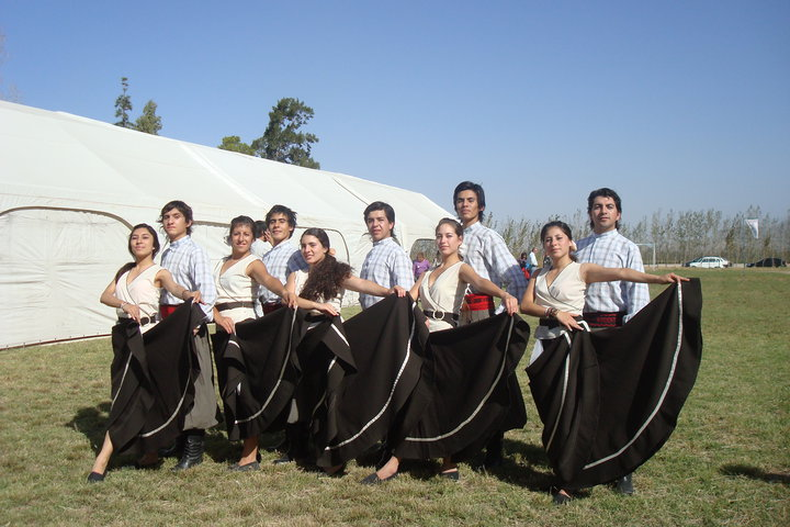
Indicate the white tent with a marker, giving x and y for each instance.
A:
(72, 188)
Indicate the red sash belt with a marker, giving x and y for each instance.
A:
(166, 310)
(474, 302)
(604, 320)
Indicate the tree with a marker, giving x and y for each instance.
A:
(234, 144)
(123, 105)
(149, 122)
(282, 141)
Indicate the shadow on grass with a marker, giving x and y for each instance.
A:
(755, 473)
(92, 422)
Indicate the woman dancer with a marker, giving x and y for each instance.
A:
(557, 292)
(134, 293)
(237, 277)
(441, 292)
(320, 289)
(322, 286)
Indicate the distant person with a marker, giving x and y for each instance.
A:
(190, 265)
(611, 304)
(386, 264)
(134, 293)
(261, 244)
(522, 260)
(420, 265)
(283, 258)
(532, 260)
(487, 253)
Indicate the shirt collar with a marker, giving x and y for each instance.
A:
(179, 242)
(384, 240)
(473, 227)
(606, 234)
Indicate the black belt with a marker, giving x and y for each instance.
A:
(233, 305)
(450, 318)
(143, 321)
(551, 323)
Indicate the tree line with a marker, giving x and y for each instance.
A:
(282, 140)
(677, 236)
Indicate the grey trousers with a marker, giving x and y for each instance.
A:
(204, 412)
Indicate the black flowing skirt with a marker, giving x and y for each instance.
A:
(372, 403)
(257, 377)
(473, 392)
(610, 399)
(152, 389)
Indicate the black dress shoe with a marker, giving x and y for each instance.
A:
(374, 479)
(624, 485)
(283, 460)
(247, 467)
(95, 477)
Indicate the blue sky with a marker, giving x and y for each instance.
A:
(681, 105)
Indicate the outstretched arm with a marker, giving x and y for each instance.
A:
(360, 285)
(258, 272)
(592, 273)
(468, 275)
(165, 279)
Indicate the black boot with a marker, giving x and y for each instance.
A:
(193, 450)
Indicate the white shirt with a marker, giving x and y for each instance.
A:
(388, 265)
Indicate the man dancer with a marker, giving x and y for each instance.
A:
(611, 304)
(190, 266)
(486, 251)
(283, 258)
(387, 263)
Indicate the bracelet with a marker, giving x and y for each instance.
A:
(121, 306)
(551, 312)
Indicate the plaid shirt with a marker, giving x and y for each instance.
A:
(388, 265)
(612, 249)
(189, 264)
(281, 261)
(486, 251)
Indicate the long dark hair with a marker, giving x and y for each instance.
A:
(326, 278)
(564, 228)
(157, 246)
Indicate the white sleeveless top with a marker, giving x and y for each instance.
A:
(445, 295)
(235, 286)
(141, 291)
(566, 293)
(300, 279)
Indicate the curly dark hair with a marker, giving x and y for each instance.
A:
(327, 276)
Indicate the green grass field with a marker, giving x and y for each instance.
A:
(728, 462)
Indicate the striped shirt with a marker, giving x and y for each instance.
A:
(189, 264)
(486, 251)
(388, 265)
(282, 260)
(612, 249)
